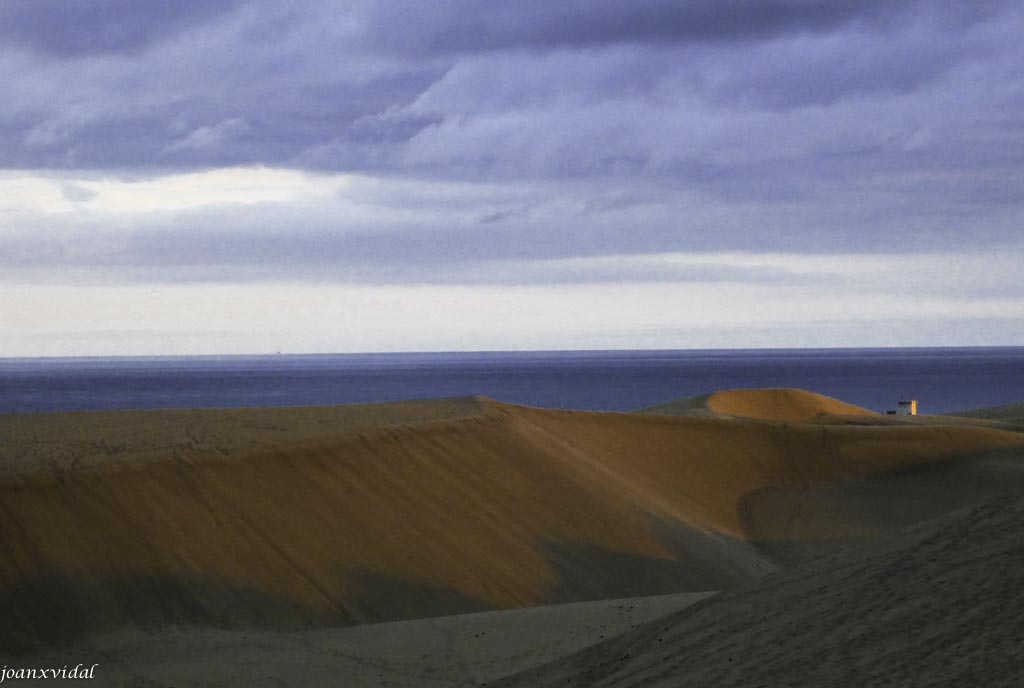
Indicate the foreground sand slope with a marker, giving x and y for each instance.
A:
(940, 605)
(442, 652)
(484, 506)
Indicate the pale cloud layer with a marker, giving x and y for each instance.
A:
(605, 174)
(268, 317)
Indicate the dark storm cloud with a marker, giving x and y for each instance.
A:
(71, 29)
(355, 86)
(450, 26)
(785, 125)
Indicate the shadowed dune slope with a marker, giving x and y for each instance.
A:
(1007, 416)
(780, 405)
(796, 523)
(938, 605)
(441, 652)
(1006, 412)
(496, 506)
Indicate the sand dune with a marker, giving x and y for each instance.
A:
(779, 405)
(1007, 416)
(70, 440)
(1006, 412)
(938, 605)
(232, 519)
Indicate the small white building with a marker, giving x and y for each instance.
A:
(907, 407)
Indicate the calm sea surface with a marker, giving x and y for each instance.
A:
(943, 380)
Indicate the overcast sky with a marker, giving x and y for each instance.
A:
(252, 176)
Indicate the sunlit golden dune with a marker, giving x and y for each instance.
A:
(781, 405)
(313, 517)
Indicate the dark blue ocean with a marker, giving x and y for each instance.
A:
(943, 380)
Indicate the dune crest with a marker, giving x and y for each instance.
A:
(781, 405)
